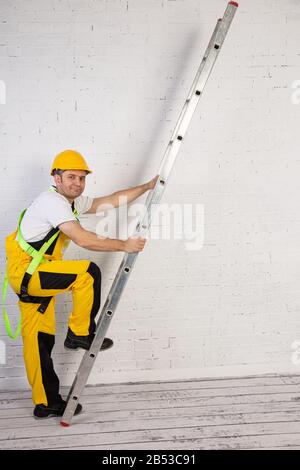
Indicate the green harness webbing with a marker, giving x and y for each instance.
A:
(37, 258)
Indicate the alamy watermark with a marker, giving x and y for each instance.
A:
(2, 92)
(295, 98)
(295, 358)
(163, 222)
(2, 352)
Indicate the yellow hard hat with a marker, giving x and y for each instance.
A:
(69, 160)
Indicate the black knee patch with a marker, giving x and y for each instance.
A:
(56, 280)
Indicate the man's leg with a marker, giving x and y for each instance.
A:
(83, 279)
(38, 330)
(86, 296)
(86, 292)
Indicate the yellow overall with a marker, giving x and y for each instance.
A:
(82, 278)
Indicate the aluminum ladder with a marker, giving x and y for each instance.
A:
(153, 198)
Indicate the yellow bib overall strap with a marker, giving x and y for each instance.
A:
(37, 258)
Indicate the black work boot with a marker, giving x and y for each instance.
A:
(74, 342)
(58, 409)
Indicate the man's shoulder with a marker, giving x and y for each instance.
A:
(49, 199)
(52, 195)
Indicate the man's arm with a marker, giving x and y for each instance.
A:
(113, 200)
(91, 241)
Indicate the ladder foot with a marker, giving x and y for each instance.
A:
(64, 425)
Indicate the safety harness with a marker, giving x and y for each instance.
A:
(37, 258)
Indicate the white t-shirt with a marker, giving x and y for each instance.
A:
(49, 210)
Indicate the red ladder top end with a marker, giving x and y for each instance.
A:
(234, 4)
(64, 425)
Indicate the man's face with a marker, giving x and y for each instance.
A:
(71, 183)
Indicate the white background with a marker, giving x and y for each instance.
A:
(109, 78)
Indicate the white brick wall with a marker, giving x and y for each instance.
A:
(109, 78)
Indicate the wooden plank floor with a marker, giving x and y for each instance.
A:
(231, 413)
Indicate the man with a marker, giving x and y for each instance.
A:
(52, 218)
